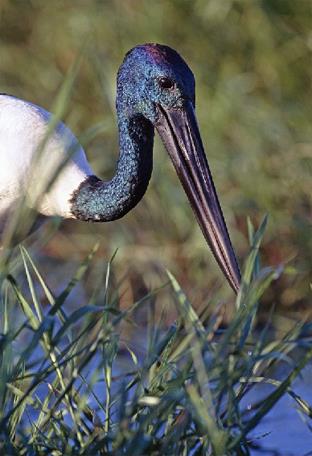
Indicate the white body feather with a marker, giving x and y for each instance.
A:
(26, 168)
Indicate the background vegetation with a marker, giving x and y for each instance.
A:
(252, 61)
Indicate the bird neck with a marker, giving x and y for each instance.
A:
(97, 200)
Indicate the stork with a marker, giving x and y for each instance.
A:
(155, 90)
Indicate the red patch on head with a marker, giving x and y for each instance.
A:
(159, 53)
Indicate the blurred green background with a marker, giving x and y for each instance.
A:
(253, 67)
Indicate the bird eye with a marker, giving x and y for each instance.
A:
(166, 83)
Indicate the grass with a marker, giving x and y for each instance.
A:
(70, 382)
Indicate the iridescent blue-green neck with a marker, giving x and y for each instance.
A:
(100, 201)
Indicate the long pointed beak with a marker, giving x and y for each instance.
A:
(179, 131)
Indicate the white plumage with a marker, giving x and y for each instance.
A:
(26, 168)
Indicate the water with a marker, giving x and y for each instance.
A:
(284, 430)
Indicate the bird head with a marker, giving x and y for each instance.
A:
(156, 83)
(154, 75)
